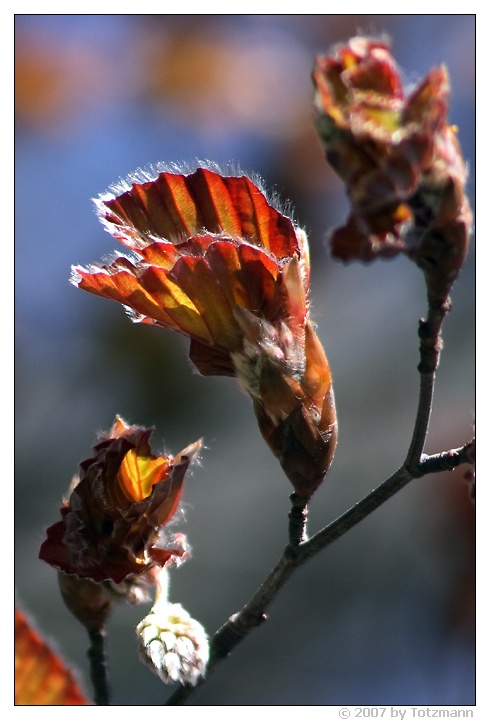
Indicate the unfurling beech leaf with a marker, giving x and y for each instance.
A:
(399, 158)
(215, 259)
(112, 525)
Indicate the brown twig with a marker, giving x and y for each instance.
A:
(298, 517)
(430, 350)
(253, 613)
(98, 666)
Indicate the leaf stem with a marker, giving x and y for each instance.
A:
(98, 666)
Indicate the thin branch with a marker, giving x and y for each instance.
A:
(98, 666)
(355, 514)
(445, 461)
(429, 464)
(430, 350)
(298, 517)
(253, 613)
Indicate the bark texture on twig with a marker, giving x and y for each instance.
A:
(99, 674)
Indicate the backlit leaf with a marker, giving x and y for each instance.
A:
(41, 677)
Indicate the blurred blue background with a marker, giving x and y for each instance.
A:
(386, 614)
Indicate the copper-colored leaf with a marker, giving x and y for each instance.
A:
(175, 207)
(116, 512)
(41, 676)
(399, 158)
(216, 260)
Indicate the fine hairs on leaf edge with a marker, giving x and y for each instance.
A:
(151, 171)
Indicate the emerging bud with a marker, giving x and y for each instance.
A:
(112, 523)
(172, 643)
(216, 261)
(400, 160)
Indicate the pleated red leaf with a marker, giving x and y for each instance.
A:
(115, 513)
(215, 259)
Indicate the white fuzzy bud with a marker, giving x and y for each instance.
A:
(173, 644)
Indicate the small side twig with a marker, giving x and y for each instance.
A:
(253, 613)
(447, 460)
(98, 666)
